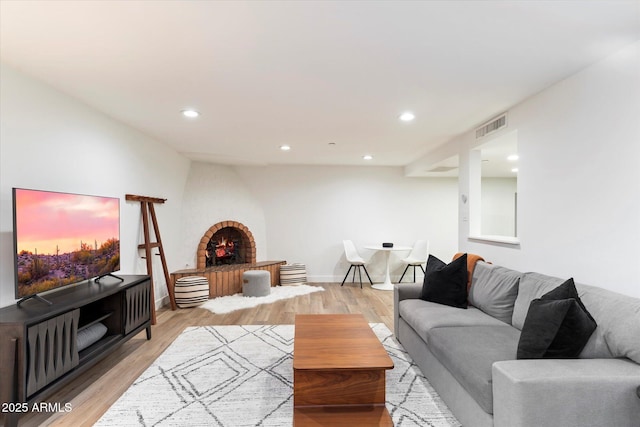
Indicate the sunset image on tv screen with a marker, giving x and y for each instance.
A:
(64, 238)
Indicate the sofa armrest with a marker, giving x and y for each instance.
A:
(406, 291)
(566, 392)
(403, 291)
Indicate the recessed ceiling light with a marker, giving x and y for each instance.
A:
(514, 170)
(192, 114)
(367, 157)
(512, 158)
(285, 147)
(407, 116)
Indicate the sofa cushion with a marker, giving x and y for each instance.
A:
(618, 318)
(494, 290)
(531, 286)
(468, 352)
(446, 283)
(422, 316)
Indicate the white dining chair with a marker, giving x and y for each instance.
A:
(356, 261)
(416, 258)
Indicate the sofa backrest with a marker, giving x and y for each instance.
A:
(617, 316)
(618, 319)
(506, 295)
(532, 286)
(494, 290)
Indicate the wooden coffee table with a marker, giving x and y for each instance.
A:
(338, 372)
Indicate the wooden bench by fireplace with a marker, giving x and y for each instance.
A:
(227, 279)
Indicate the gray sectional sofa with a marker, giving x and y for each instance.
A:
(469, 355)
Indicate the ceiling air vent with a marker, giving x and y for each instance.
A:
(492, 126)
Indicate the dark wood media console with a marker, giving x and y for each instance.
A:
(39, 343)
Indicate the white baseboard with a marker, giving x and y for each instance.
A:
(376, 279)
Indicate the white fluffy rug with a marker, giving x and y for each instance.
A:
(231, 303)
(235, 376)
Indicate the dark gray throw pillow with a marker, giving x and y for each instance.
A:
(446, 283)
(564, 291)
(557, 326)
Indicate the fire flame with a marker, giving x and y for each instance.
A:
(224, 248)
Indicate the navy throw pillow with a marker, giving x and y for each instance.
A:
(446, 283)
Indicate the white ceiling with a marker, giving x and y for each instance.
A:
(308, 74)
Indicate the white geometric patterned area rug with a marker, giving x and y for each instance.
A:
(234, 376)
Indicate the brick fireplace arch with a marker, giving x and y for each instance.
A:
(248, 242)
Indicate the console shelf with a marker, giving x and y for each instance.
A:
(38, 343)
(94, 321)
(98, 348)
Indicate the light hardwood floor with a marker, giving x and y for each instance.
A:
(92, 394)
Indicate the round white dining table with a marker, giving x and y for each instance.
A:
(387, 285)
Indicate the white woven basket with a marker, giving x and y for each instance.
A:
(293, 274)
(191, 291)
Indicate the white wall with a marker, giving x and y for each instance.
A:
(578, 186)
(309, 210)
(215, 193)
(300, 214)
(50, 141)
(578, 179)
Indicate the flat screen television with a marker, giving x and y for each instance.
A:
(61, 239)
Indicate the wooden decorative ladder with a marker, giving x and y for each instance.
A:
(146, 205)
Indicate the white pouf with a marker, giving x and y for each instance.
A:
(256, 283)
(191, 291)
(293, 274)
